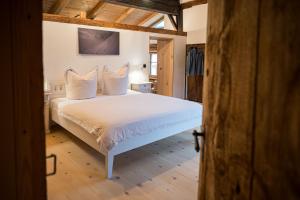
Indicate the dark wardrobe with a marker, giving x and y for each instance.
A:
(194, 71)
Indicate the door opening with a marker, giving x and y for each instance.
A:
(161, 65)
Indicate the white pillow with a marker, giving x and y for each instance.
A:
(115, 82)
(81, 87)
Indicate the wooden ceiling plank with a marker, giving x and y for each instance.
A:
(58, 6)
(91, 14)
(124, 15)
(146, 18)
(160, 6)
(99, 23)
(190, 4)
(157, 21)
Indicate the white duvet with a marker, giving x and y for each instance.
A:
(113, 119)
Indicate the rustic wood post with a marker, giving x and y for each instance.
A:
(276, 153)
(251, 101)
(22, 145)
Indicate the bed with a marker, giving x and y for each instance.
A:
(116, 124)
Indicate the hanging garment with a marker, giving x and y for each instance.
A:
(190, 65)
(195, 62)
(199, 63)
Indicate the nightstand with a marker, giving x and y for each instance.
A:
(144, 87)
(46, 110)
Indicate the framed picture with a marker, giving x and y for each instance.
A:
(98, 42)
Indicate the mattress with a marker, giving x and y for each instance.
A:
(114, 119)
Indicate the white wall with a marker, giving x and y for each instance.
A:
(194, 23)
(60, 51)
(168, 24)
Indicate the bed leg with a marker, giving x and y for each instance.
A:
(109, 162)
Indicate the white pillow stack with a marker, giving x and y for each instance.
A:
(81, 87)
(115, 82)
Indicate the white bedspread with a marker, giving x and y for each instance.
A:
(113, 119)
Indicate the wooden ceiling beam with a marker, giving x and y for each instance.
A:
(157, 21)
(91, 14)
(173, 22)
(160, 6)
(146, 18)
(190, 4)
(58, 6)
(179, 20)
(124, 15)
(100, 23)
(83, 14)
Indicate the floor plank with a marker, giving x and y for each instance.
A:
(167, 169)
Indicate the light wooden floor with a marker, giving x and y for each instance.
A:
(167, 169)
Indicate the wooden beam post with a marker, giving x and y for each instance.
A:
(58, 6)
(252, 113)
(173, 22)
(22, 147)
(82, 14)
(276, 163)
(229, 107)
(94, 11)
(179, 20)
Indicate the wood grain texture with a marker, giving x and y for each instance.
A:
(195, 88)
(146, 18)
(161, 6)
(58, 6)
(63, 19)
(123, 16)
(252, 101)
(277, 125)
(229, 99)
(91, 14)
(24, 112)
(165, 59)
(163, 170)
(8, 188)
(83, 14)
(96, 9)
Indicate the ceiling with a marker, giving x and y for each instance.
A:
(99, 10)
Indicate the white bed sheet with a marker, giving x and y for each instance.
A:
(114, 119)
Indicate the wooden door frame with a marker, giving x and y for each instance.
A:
(23, 138)
(171, 87)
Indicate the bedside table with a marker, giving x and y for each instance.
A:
(144, 87)
(46, 110)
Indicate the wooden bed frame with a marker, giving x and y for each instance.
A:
(122, 147)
